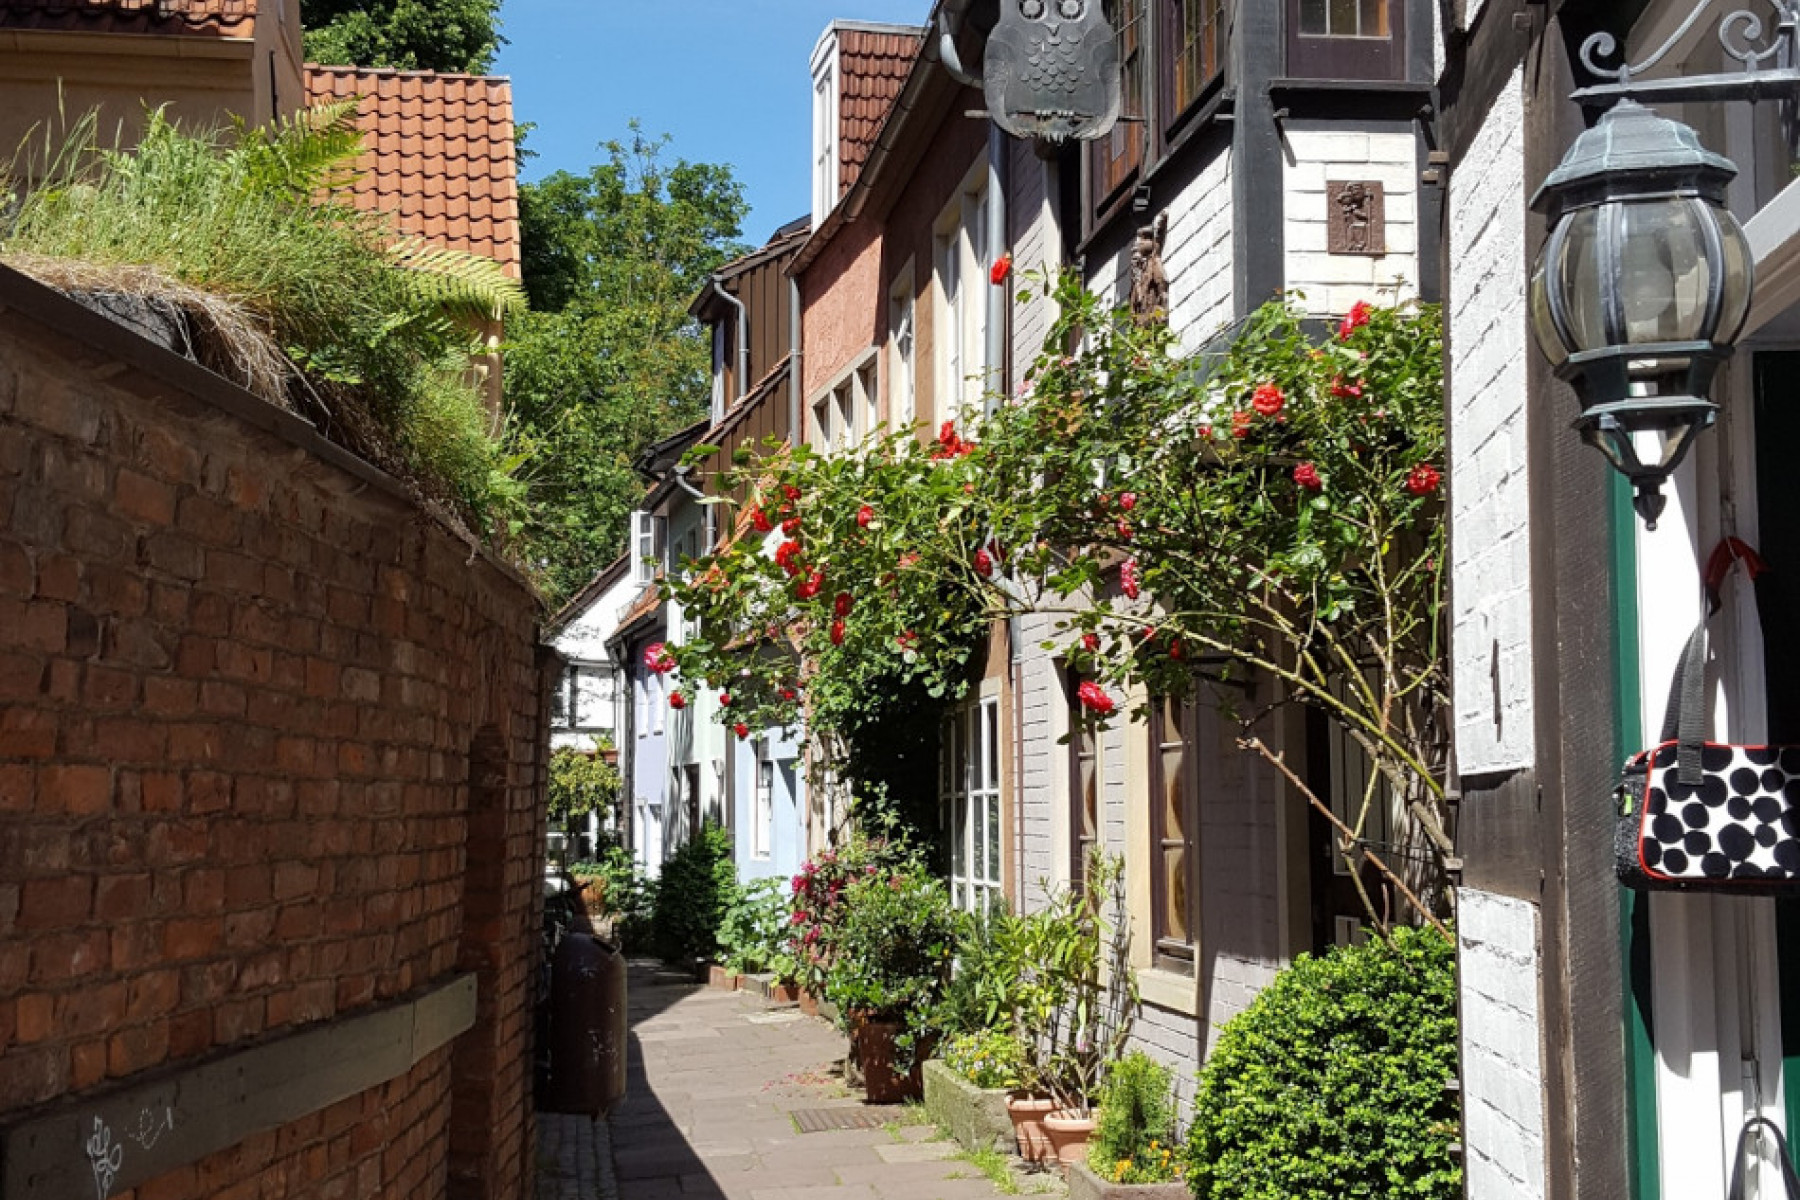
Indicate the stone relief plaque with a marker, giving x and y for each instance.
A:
(1356, 218)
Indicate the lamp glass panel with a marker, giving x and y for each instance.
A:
(1577, 276)
(1664, 279)
(1734, 309)
(1543, 324)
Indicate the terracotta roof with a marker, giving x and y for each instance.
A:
(204, 18)
(872, 67)
(647, 603)
(438, 156)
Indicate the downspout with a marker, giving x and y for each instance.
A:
(997, 307)
(743, 341)
(947, 52)
(794, 357)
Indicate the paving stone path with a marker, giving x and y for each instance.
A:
(715, 1077)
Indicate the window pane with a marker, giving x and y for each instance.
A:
(993, 815)
(1089, 798)
(992, 714)
(1374, 18)
(1342, 20)
(1312, 17)
(1175, 922)
(1174, 792)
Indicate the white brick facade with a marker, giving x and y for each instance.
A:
(1323, 152)
(1491, 553)
(1197, 254)
(1502, 1057)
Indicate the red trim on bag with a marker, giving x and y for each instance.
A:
(1649, 757)
(1727, 553)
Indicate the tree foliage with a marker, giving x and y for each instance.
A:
(609, 359)
(458, 36)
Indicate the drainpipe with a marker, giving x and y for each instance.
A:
(743, 341)
(947, 52)
(794, 355)
(997, 308)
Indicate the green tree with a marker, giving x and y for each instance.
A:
(413, 35)
(610, 361)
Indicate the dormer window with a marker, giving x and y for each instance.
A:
(825, 129)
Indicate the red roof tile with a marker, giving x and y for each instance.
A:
(205, 18)
(438, 154)
(872, 67)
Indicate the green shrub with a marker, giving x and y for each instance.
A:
(753, 934)
(698, 884)
(624, 893)
(892, 954)
(981, 991)
(580, 783)
(1331, 1083)
(987, 1058)
(1135, 1139)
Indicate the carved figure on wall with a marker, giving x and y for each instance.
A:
(1149, 281)
(1357, 220)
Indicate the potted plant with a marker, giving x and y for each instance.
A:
(814, 916)
(1075, 997)
(751, 933)
(891, 957)
(967, 1086)
(1136, 1153)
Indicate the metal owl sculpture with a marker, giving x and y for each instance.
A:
(1052, 70)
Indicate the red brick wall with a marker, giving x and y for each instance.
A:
(240, 687)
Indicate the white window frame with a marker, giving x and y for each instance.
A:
(658, 703)
(971, 795)
(649, 532)
(825, 131)
(762, 803)
(845, 411)
(960, 298)
(903, 337)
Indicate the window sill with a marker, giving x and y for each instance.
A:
(1169, 990)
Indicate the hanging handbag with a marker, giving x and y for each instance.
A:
(1701, 816)
(1790, 1182)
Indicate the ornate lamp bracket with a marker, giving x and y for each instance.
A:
(1767, 53)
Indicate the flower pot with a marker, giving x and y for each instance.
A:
(784, 993)
(809, 1003)
(1085, 1184)
(722, 978)
(1069, 1135)
(873, 1048)
(1028, 1113)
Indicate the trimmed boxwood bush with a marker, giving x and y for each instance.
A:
(1331, 1084)
(697, 886)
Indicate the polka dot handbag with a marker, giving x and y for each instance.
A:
(1698, 815)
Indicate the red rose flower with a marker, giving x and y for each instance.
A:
(1128, 500)
(809, 587)
(1307, 476)
(1124, 528)
(1175, 650)
(677, 701)
(657, 659)
(840, 605)
(791, 526)
(1128, 578)
(789, 694)
(908, 640)
(742, 730)
(1090, 642)
(724, 699)
(1240, 424)
(1423, 480)
(790, 491)
(864, 515)
(1355, 319)
(1206, 433)
(1094, 698)
(1000, 270)
(837, 632)
(760, 519)
(1267, 399)
(984, 563)
(786, 556)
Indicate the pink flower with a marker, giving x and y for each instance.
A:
(657, 659)
(1267, 399)
(1307, 476)
(1355, 319)
(1000, 270)
(1094, 698)
(1128, 578)
(1423, 480)
(1345, 391)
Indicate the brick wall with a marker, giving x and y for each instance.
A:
(1490, 556)
(242, 679)
(1323, 152)
(1502, 1068)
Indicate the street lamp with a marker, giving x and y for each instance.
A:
(1642, 287)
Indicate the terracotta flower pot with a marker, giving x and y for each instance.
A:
(722, 978)
(1028, 1113)
(1069, 1134)
(873, 1048)
(784, 993)
(809, 1002)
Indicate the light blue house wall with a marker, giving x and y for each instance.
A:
(785, 847)
(653, 826)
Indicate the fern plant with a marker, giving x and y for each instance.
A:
(253, 231)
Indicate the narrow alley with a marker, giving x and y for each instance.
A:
(734, 1098)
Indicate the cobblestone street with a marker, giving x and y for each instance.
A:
(721, 1084)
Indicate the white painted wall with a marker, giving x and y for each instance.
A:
(1322, 152)
(582, 641)
(1491, 552)
(1502, 1046)
(1197, 254)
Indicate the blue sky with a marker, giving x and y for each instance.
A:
(727, 79)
